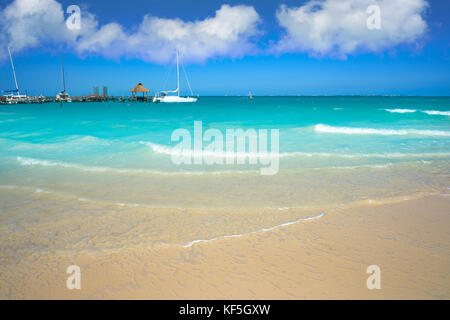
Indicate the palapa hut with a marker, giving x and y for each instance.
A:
(140, 88)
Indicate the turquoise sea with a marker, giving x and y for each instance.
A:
(106, 167)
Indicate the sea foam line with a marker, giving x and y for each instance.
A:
(50, 163)
(430, 112)
(191, 243)
(158, 148)
(401, 110)
(161, 149)
(33, 162)
(349, 130)
(392, 155)
(24, 161)
(438, 113)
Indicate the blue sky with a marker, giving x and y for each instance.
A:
(269, 57)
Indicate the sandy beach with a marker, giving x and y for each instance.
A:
(252, 150)
(324, 258)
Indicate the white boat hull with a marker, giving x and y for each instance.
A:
(175, 99)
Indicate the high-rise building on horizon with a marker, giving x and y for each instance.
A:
(96, 91)
(105, 91)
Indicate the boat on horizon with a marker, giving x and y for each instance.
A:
(63, 96)
(164, 97)
(14, 98)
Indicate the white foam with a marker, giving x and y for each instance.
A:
(371, 166)
(190, 244)
(437, 113)
(171, 151)
(130, 205)
(359, 131)
(205, 153)
(393, 155)
(51, 163)
(400, 110)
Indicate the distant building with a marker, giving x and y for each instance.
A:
(105, 91)
(96, 91)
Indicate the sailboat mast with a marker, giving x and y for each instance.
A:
(14, 71)
(178, 75)
(64, 81)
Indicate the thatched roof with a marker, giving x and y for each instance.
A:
(139, 88)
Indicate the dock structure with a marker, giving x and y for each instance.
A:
(42, 99)
(95, 97)
(11, 99)
(140, 88)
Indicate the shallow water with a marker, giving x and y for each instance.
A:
(97, 176)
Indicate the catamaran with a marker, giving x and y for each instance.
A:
(17, 97)
(63, 95)
(178, 98)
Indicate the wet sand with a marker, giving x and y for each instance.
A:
(323, 258)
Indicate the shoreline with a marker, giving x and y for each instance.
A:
(318, 259)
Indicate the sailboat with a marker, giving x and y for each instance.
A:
(14, 98)
(250, 96)
(63, 95)
(178, 98)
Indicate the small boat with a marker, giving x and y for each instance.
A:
(164, 97)
(17, 97)
(63, 96)
(250, 95)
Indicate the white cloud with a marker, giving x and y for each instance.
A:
(339, 28)
(228, 33)
(31, 23)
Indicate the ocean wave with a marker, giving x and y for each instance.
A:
(84, 140)
(387, 132)
(168, 150)
(430, 112)
(367, 155)
(191, 243)
(400, 110)
(51, 163)
(75, 141)
(26, 161)
(369, 166)
(438, 113)
(157, 148)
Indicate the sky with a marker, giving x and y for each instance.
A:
(290, 47)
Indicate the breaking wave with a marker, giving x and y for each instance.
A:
(437, 113)
(167, 150)
(429, 112)
(387, 132)
(401, 110)
(51, 163)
